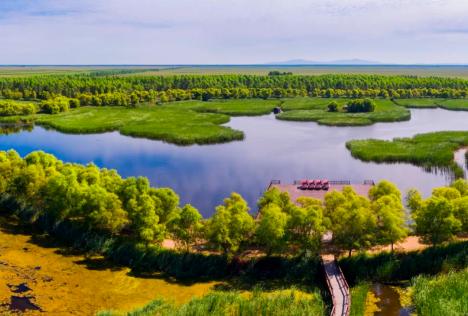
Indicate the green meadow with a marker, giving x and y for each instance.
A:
(161, 123)
(316, 110)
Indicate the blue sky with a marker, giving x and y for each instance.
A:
(231, 31)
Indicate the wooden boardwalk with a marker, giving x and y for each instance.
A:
(337, 286)
(294, 191)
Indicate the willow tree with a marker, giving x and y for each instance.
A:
(351, 220)
(387, 206)
(231, 225)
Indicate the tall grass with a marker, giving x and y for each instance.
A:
(233, 303)
(404, 266)
(426, 150)
(358, 299)
(442, 295)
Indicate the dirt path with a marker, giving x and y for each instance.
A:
(70, 285)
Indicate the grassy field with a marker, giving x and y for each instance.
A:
(419, 103)
(426, 71)
(448, 104)
(428, 150)
(455, 105)
(167, 124)
(314, 109)
(233, 303)
(442, 295)
(244, 107)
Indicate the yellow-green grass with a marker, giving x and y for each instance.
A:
(446, 294)
(243, 107)
(62, 282)
(172, 125)
(314, 109)
(430, 149)
(287, 303)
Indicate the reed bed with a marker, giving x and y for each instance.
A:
(442, 295)
(289, 303)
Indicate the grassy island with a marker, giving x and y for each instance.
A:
(313, 109)
(431, 103)
(168, 124)
(427, 150)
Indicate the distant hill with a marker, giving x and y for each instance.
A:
(354, 61)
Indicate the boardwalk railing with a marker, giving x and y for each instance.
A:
(273, 182)
(332, 182)
(345, 289)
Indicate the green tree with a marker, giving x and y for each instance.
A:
(435, 220)
(306, 224)
(186, 226)
(231, 225)
(384, 188)
(103, 210)
(271, 229)
(390, 215)
(461, 185)
(351, 220)
(275, 196)
(414, 199)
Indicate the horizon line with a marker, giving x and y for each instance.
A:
(236, 65)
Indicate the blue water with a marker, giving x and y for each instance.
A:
(273, 149)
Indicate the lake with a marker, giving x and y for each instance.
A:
(273, 149)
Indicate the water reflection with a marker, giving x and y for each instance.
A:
(7, 129)
(389, 303)
(461, 158)
(204, 175)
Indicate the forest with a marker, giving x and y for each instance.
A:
(41, 189)
(100, 90)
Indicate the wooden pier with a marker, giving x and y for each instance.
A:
(335, 185)
(337, 285)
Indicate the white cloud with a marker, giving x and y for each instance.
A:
(231, 31)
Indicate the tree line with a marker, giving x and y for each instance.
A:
(235, 86)
(46, 189)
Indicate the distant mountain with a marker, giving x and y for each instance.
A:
(354, 61)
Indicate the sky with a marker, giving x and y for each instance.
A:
(232, 31)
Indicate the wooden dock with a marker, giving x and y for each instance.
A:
(337, 286)
(294, 191)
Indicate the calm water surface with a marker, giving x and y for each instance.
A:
(273, 149)
(390, 302)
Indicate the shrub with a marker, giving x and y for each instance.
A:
(360, 106)
(404, 266)
(10, 108)
(333, 106)
(55, 105)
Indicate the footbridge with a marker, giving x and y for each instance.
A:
(337, 286)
